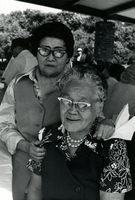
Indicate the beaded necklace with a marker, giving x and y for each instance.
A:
(74, 143)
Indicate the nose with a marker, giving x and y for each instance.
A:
(50, 57)
(73, 108)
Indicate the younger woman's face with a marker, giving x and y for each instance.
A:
(50, 66)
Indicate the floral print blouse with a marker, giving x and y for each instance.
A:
(115, 176)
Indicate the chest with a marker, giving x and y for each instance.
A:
(62, 175)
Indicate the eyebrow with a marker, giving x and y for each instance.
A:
(56, 47)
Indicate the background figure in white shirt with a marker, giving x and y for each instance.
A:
(23, 60)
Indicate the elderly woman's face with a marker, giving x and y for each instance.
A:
(50, 65)
(72, 118)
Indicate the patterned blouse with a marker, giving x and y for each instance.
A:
(115, 175)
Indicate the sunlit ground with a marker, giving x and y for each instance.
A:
(5, 194)
(5, 173)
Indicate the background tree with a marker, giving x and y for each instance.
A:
(24, 24)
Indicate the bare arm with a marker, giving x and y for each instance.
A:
(34, 190)
(111, 196)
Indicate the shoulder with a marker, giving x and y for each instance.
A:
(114, 144)
(28, 75)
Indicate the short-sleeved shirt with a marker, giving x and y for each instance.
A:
(96, 165)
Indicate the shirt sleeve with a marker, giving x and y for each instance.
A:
(116, 176)
(11, 71)
(8, 129)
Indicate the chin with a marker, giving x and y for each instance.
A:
(70, 125)
(70, 128)
(49, 74)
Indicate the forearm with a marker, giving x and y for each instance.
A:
(10, 137)
(23, 145)
(34, 189)
(111, 196)
(9, 133)
(34, 195)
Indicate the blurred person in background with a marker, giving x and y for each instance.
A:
(124, 93)
(23, 60)
(78, 58)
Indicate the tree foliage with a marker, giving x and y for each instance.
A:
(23, 24)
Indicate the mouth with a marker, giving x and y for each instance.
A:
(50, 66)
(72, 120)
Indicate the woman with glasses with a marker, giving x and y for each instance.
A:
(77, 166)
(30, 101)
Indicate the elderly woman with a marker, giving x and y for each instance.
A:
(30, 101)
(76, 165)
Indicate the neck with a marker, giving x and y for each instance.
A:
(80, 135)
(74, 143)
(53, 78)
(47, 85)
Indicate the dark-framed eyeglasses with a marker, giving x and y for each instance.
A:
(81, 106)
(57, 53)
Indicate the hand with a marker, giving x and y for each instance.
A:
(104, 129)
(35, 152)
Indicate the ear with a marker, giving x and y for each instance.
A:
(68, 60)
(19, 49)
(67, 67)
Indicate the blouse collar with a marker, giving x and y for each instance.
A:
(92, 143)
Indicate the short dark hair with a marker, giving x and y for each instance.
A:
(19, 42)
(56, 30)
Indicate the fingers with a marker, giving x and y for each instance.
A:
(98, 135)
(36, 143)
(36, 153)
(99, 132)
(110, 132)
(103, 131)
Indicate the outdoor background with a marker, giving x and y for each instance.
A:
(22, 23)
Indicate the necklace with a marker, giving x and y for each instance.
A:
(74, 143)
